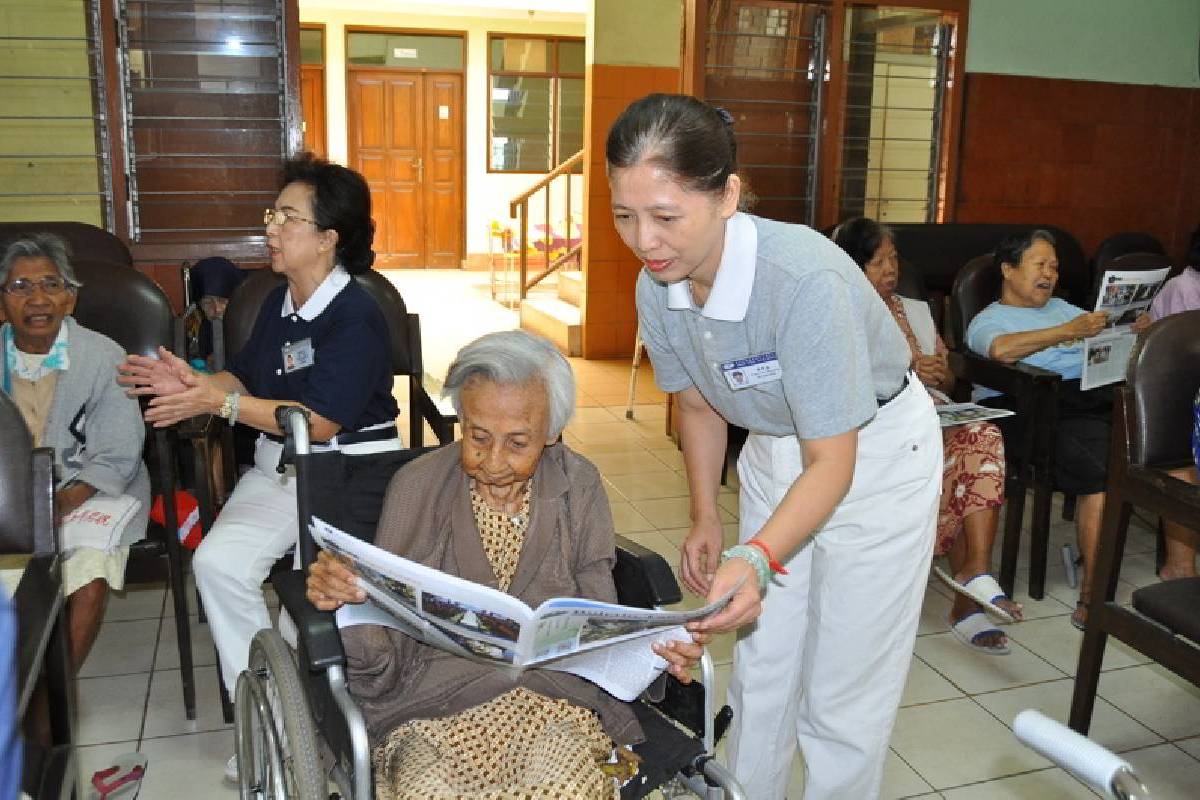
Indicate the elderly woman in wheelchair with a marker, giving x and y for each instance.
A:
(513, 508)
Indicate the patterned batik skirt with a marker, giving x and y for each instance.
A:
(519, 746)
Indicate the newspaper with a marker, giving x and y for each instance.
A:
(952, 414)
(1124, 296)
(605, 643)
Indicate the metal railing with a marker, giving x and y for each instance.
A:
(518, 208)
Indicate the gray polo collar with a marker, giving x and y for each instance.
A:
(328, 289)
(730, 296)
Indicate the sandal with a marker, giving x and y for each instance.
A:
(984, 589)
(121, 781)
(974, 625)
(1079, 615)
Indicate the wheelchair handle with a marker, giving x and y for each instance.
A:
(1101, 770)
(293, 421)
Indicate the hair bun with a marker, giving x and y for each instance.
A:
(726, 117)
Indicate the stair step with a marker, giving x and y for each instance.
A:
(557, 320)
(570, 286)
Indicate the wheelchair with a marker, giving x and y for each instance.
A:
(297, 728)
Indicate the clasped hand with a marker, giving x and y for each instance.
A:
(703, 573)
(178, 392)
(332, 583)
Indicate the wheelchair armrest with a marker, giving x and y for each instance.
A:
(1010, 379)
(643, 577)
(316, 629)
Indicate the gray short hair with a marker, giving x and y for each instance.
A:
(40, 245)
(513, 358)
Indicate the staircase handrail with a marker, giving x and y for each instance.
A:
(523, 198)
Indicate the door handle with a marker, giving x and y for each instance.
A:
(420, 165)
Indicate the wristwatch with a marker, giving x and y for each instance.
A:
(229, 408)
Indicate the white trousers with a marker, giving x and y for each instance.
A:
(825, 665)
(254, 529)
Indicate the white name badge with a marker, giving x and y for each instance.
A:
(297, 355)
(752, 371)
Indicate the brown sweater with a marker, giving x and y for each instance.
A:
(568, 551)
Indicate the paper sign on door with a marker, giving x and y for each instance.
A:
(443, 112)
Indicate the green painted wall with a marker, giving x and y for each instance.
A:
(56, 155)
(641, 33)
(1120, 41)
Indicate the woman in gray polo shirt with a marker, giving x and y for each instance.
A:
(770, 326)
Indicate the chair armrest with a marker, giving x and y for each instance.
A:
(642, 577)
(1010, 379)
(315, 629)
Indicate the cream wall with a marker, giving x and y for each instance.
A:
(487, 195)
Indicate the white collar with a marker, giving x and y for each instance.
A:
(334, 282)
(730, 295)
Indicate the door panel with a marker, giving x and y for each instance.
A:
(312, 103)
(406, 138)
(443, 170)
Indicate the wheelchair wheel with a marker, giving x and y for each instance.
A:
(276, 741)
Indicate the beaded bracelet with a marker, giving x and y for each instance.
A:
(756, 559)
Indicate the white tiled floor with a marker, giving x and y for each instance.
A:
(952, 737)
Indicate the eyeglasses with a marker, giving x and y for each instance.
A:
(281, 217)
(50, 285)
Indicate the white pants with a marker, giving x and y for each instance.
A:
(254, 529)
(825, 665)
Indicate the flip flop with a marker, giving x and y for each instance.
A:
(122, 780)
(974, 625)
(983, 589)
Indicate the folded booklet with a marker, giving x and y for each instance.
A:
(98, 523)
(953, 414)
(605, 643)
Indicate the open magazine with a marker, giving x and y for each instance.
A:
(1124, 296)
(951, 414)
(605, 643)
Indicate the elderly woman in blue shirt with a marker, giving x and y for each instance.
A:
(1029, 324)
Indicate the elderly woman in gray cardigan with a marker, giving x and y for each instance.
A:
(512, 508)
(63, 378)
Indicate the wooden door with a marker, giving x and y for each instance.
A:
(312, 104)
(406, 139)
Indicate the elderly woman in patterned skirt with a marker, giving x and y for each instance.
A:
(513, 508)
(973, 477)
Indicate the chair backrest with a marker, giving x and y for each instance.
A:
(1123, 243)
(1163, 377)
(395, 313)
(941, 249)
(248, 298)
(16, 479)
(243, 308)
(124, 305)
(26, 487)
(976, 286)
(86, 241)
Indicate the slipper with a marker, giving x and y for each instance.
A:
(122, 780)
(983, 589)
(971, 627)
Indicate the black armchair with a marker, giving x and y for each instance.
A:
(1120, 244)
(405, 330)
(132, 310)
(1152, 422)
(27, 528)
(1035, 392)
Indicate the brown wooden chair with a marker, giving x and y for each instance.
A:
(129, 308)
(1120, 244)
(1035, 391)
(1152, 424)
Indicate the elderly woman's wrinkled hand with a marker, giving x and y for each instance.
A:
(1086, 325)
(332, 583)
(166, 375)
(1142, 322)
(932, 370)
(682, 656)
